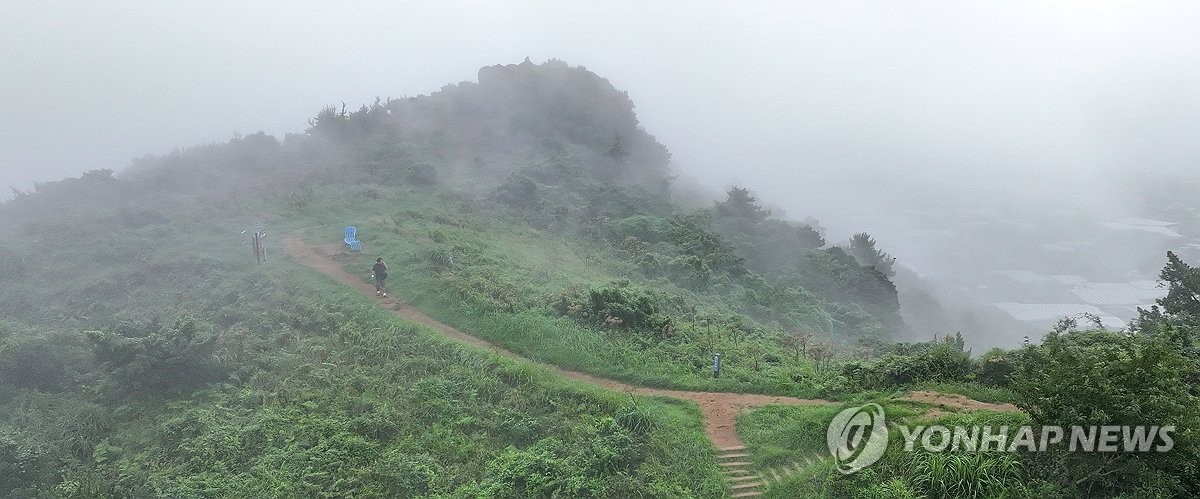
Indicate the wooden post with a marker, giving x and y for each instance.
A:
(257, 258)
(262, 246)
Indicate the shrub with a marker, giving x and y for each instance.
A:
(1103, 378)
(631, 307)
(146, 356)
(401, 475)
(995, 368)
(26, 458)
(641, 227)
(941, 362)
(42, 363)
(518, 191)
(534, 472)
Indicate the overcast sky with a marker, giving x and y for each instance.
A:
(807, 104)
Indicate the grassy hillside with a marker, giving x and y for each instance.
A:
(158, 360)
(144, 353)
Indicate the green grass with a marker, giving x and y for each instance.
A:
(779, 435)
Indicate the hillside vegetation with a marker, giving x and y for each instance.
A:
(145, 353)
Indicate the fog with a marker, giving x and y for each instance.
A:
(965, 136)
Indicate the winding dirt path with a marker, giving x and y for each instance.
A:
(719, 409)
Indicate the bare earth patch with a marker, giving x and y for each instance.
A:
(954, 402)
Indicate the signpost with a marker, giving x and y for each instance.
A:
(716, 365)
(258, 242)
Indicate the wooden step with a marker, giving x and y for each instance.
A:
(732, 464)
(730, 456)
(745, 486)
(744, 478)
(752, 493)
(736, 447)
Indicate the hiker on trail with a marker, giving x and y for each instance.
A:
(379, 270)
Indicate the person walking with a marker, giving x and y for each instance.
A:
(379, 271)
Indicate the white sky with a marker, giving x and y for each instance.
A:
(810, 104)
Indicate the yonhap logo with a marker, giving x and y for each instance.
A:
(857, 437)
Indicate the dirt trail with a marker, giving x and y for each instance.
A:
(719, 409)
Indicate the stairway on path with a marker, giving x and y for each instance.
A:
(735, 463)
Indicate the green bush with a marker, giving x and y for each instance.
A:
(996, 367)
(1103, 378)
(941, 362)
(647, 228)
(550, 468)
(149, 357)
(46, 362)
(26, 458)
(631, 307)
(397, 474)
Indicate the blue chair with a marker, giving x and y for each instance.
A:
(352, 239)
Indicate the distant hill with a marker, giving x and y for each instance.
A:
(557, 146)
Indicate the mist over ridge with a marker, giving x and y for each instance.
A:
(868, 117)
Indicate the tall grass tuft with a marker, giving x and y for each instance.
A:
(965, 475)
